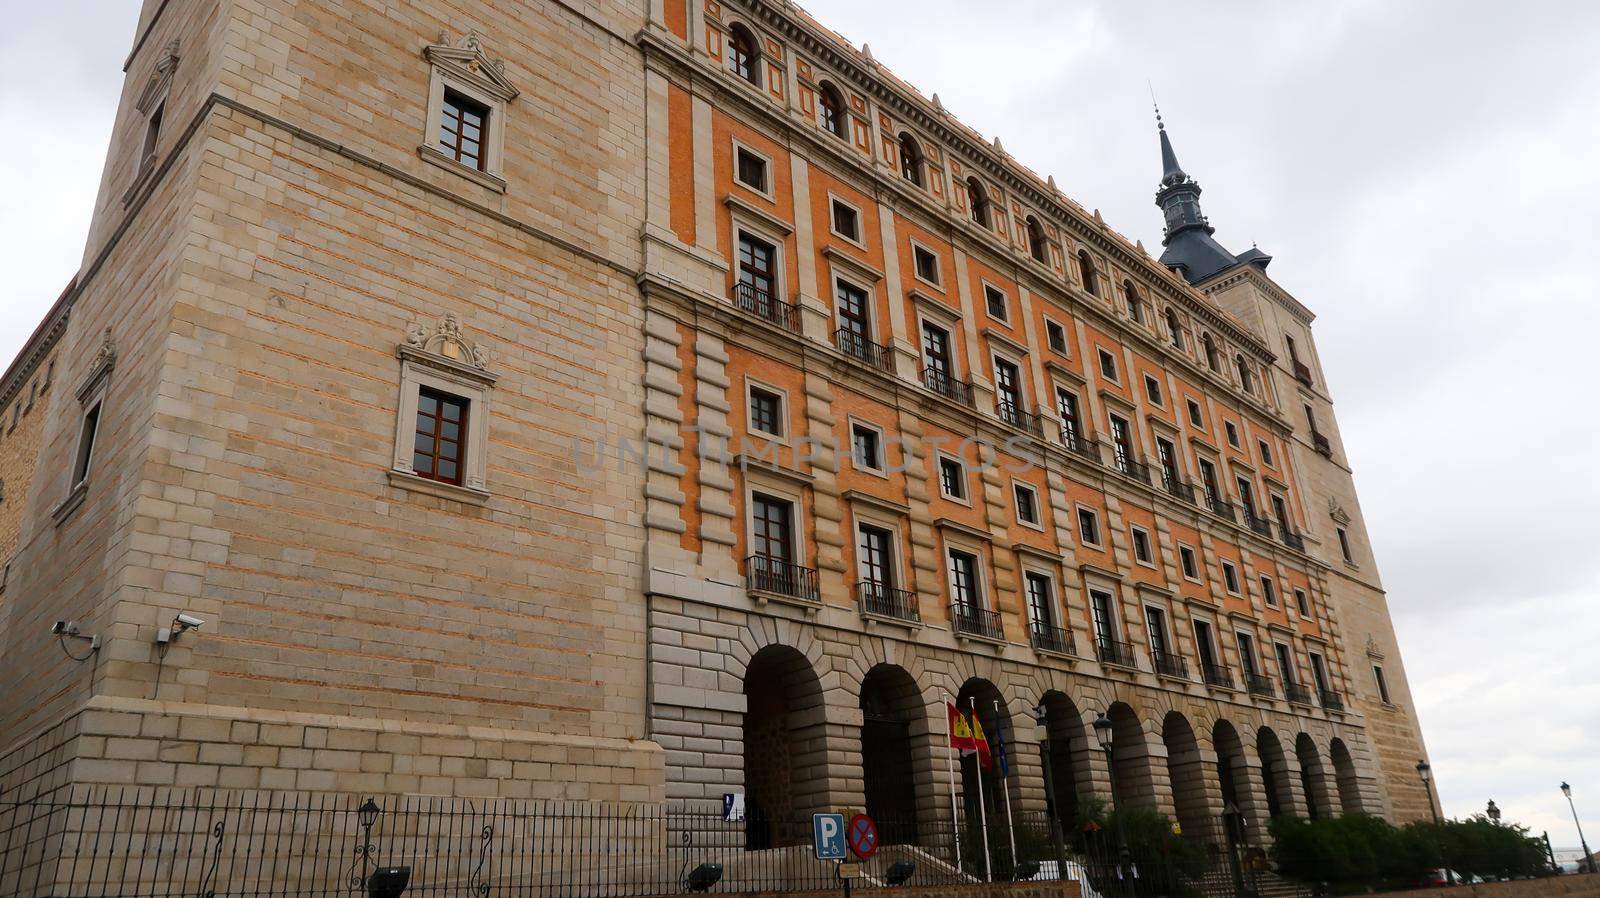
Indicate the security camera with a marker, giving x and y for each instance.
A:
(58, 628)
(186, 622)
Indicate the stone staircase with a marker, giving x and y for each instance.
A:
(1218, 883)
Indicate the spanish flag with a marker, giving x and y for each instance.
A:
(981, 742)
(960, 732)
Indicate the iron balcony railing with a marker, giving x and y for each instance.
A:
(1321, 443)
(942, 383)
(1110, 651)
(1219, 506)
(1176, 487)
(1217, 675)
(1014, 416)
(1169, 665)
(1296, 693)
(863, 350)
(1302, 372)
(1291, 538)
(886, 601)
(1260, 685)
(779, 577)
(975, 621)
(764, 305)
(1331, 700)
(1082, 446)
(1047, 638)
(1126, 464)
(1262, 526)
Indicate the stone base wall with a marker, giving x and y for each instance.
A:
(1066, 889)
(1576, 886)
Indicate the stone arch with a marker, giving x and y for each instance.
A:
(981, 695)
(744, 53)
(1186, 770)
(1131, 757)
(1314, 779)
(1275, 774)
(912, 166)
(891, 709)
(1234, 774)
(785, 747)
(1346, 778)
(1070, 757)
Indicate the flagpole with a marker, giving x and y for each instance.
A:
(1000, 729)
(949, 763)
(983, 812)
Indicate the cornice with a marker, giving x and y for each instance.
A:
(40, 343)
(1247, 272)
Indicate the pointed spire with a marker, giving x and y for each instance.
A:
(1171, 172)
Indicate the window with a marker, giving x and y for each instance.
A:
(936, 351)
(1186, 560)
(1056, 336)
(910, 159)
(1156, 622)
(1041, 602)
(1108, 366)
(766, 411)
(1383, 684)
(1086, 272)
(772, 539)
(1152, 389)
(1302, 602)
(1067, 411)
(757, 274)
(1008, 391)
(1037, 246)
(1203, 646)
(1285, 663)
(463, 127)
(846, 221)
(978, 199)
(1230, 578)
(964, 589)
(1233, 433)
(1089, 526)
(1213, 360)
(1141, 546)
(952, 479)
(439, 453)
(1280, 510)
(995, 301)
(86, 438)
(876, 557)
(855, 322)
(1122, 444)
(927, 264)
(866, 448)
(1245, 379)
(1344, 545)
(1174, 329)
(1289, 341)
(1027, 504)
(1104, 617)
(830, 111)
(1247, 496)
(1208, 481)
(1135, 304)
(1195, 418)
(1167, 458)
(1247, 652)
(742, 55)
(1269, 591)
(152, 132)
(1266, 453)
(752, 170)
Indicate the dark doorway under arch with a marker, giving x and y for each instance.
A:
(1068, 758)
(992, 720)
(1313, 777)
(1274, 773)
(890, 703)
(785, 748)
(1187, 774)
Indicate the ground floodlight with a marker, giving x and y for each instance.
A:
(899, 873)
(703, 877)
(1026, 871)
(388, 882)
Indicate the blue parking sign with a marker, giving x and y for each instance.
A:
(827, 833)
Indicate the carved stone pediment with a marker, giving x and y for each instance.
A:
(1337, 512)
(444, 344)
(469, 63)
(156, 87)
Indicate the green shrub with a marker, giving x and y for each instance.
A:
(1354, 852)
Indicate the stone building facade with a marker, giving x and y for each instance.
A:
(782, 406)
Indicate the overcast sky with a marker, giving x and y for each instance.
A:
(1425, 175)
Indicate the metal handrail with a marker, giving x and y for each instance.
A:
(1296, 693)
(1260, 685)
(1014, 416)
(886, 601)
(975, 621)
(774, 575)
(1110, 651)
(1331, 700)
(1049, 638)
(1169, 665)
(1080, 445)
(950, 388)
(863, 350)
(766, 306)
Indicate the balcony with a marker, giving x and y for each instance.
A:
(1296, 693)
(764, 305)
(1216, 675)
(1169, 665)
(1262, 526)
(1177, 488)
(1220, 507)
(979, 622)
(1084, 447)
(779, 577)
(1013, 415)
(1321, 444)
(1291, 538)
(942, 383)
(880, 600)
(1052, 639)
(858, 347)
(1260, 685)
(1125, 464)
(1302, 372)
(1110, 651)
(1331, 701)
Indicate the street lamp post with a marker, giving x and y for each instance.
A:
(1425, 773)
(1588, 859)
(1102, 733)
(1041, 730)
(1494, 813)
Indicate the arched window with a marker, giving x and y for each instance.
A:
(1174, 329)
(743, 57)
(978, 199)
(910, 159)
(1135, 304)
(830, 111)
(1210, 347)
(1037, 247)
(1244, 374)
(1086, 271)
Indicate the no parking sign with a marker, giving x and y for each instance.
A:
(862, 835)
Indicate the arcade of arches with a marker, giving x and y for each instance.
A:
(811, 740)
